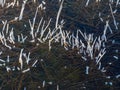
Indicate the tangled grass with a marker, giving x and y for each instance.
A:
(38, 54)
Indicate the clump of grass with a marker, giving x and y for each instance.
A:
(35, 55)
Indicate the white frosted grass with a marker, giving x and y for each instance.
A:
(9, 5)
(84, 58)
(17, 3)
(87, 3)
(118, 76)
(105, 31)
(4, 25)
(58, 14)
(41, 28)
(43, 84)
(18, 38)
(69, 39)
(99, 66)
(116, 50)
(46, 37)
(110, 29)
(63, 38)
(39, 87)
(28, 58)
(38, 28)
(32, 28)
(111, 1)
(112, 13)
(64, 35)
(13, 68)
(18, 68)
(32, 24)
(1, 65)
(98, 44)
(87, 70)
(117, 3)
(43, 2)
(3, 35)
(8, 69)
(26, 70)
(90, 46)
(50, 40)
(1, 60)
(12, 4)
(20, 59)
(115, 11)
(58, 87)
(107, 26)
(22, 10)
(34, 1)
(33, 65)
(7, 28)
(50, 83)
(41, 6)
(103, 70)
(82, 44)
(14, 1)
(41, 60)
(73, 41)
(100, 55)
(113, 41)
(97, 1)
(5, 43)
(8, 59)
(1, 38)
(11, 37)
(87, 47)
(101, 19)
(77, 43)
(21, 38)
(1, 52)
(25, 88)
(116, 57)
(110, 83)
(2, 2)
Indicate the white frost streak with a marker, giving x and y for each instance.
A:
(58, 14)
(20, 59)
(22, 9)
